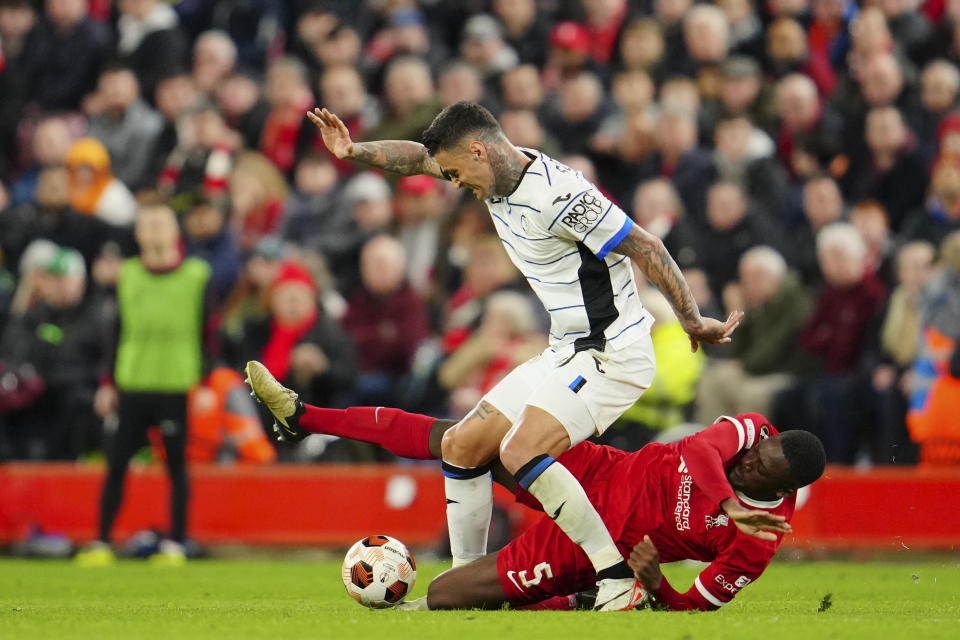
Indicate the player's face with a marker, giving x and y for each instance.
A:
(763, 473)
(468, 167)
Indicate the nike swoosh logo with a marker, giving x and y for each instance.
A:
(556, 514)
(449, 501)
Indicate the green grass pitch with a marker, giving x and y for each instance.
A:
(284, 600)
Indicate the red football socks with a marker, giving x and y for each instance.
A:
(404, 434)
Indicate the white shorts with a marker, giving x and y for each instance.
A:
(585, 391)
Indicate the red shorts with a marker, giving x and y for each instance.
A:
(544, 562)
(541, 563)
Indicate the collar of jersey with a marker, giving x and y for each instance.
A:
(523, 174)
(759, 504)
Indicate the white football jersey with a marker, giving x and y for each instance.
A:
(559, 230)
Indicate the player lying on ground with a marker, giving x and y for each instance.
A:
(574, 247)
(662, 499)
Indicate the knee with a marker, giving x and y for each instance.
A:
(460, 450)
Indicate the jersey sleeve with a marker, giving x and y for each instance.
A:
(580, 213)
(742, 563)
(706, 453)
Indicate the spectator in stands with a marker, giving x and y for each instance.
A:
(526, 30)
(289, 96)
(249, 299)
(896, 350)
(256, 27)
(50, 217)
(126, 125)
(829, 33)
(787, 52)
(642, 48)
(144, 28)
(746, 30)
(175, 94)
(569, 54)
(298, 342)
(420, 205)
(51, 141)
(680, 159)
(870, 219)
(203, 158)
(836, 333)
(387, 321)
(766, 358)
(506, 336)
(64, 55)
(60, 338)
(314, 209)
(583, 108)
(93, 188)
(257, 193)
(743, 92)
(405, 33)
(823, 205)
(800, 114)
(706, 35)
(746, 155)
(524, 129)
(893, 172)
(214, 57)
(409, 100)
(732, 228)
(935, 386)
(940, 214)
(208, 237)
(521, 88)
(939, 86)
(910, 28)
(460, 81)
(604, 22)
(483, 46)
(670, 14)
(658, 209)
(243, 107)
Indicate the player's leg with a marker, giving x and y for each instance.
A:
(408, 435)
(172, 422)
(580, 397)
(473, 586)
(468, 448)
(125, 442)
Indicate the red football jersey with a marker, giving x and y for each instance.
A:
(653, 492)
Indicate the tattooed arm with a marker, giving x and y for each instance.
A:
(399, 156)
(648, 252)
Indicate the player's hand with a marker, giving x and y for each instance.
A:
(713, 331)
(756, 522)
(645, 561)
(334, 132)
(105, 400)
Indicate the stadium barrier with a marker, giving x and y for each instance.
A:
(335, 505)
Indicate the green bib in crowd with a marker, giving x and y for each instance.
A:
(161, 327)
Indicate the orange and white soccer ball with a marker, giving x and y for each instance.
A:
(379, 571)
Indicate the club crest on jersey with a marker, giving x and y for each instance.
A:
(764, 431)
(524, 224)
(584, 212)
(719, 521)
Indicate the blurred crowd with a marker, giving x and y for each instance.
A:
(799, 158)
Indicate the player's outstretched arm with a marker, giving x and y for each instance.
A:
(399, 156)
(661, 269)
(756, 522)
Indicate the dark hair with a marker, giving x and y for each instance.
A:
(805, 456)
(456, 122)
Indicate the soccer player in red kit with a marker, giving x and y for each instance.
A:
(660, 504)
(664, 502)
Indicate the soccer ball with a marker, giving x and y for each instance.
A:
(379, 571)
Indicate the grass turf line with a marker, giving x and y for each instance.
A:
(285, 600)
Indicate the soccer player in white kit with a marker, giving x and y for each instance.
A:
(573, 245)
